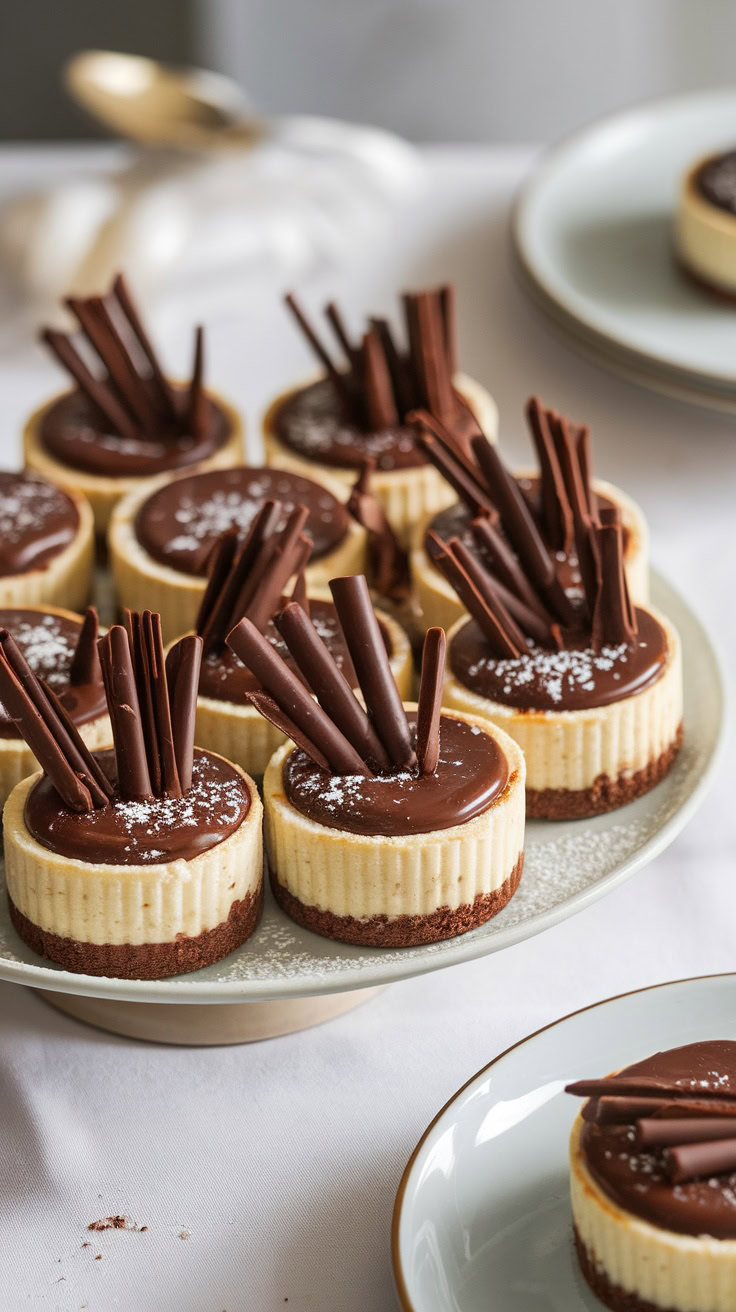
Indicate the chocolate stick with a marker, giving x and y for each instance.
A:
(397, 367)
(371, 664)
(219, 563)
(555, 504)
(436, 380)
(329, 685)
(98, 328)
(293, 700)
(134, 780)
(196, 400)
(339, 379)
(506, 566)
(448, 310)
(486, 585)
(429, 705)
(39, 738)
(266, 588)
(585, 462)
(98, 392)
(380, 405)
(673, 1132)
(338, 327)
(693, 1160)
(271, 711)
(85, 666)
(645, 1086)
(122, 295)
(611, 622)
(620, 1111)
(389, 564)
(453, 473)
(183, 665)
(170, 782)
(499, 640)
(133, 623)
(584, 542)
(83, 762)
(227, 606)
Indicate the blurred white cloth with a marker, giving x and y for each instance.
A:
(280, 1161)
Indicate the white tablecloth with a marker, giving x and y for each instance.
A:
(266, 1174)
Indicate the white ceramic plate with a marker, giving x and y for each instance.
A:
(592, 230)
(482, 1216)
(567, 866)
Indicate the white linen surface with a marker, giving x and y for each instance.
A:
(266, 1173)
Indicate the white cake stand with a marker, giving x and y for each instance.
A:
(286, 978)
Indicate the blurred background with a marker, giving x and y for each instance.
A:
(433, 70)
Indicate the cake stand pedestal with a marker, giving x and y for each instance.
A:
(208, 1025)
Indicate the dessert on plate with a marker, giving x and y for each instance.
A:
(561, 463)
(590, 686)
(653, 1182)
(141, 861)
(247, 579)
(386, 825)
(123, 420)
(46, 543)
(705, 223)
(61, 649)
(162, 535)
(357, 406)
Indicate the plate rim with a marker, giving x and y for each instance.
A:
(399, 1200)
(546, 165)
(189, 991)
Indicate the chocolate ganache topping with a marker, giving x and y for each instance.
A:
(471, 773)
(148, 831)
(126, 419)
(179, 524)
(664, 1149)
(716, 181)
(37, 521)
(362, 411)
(50, 643)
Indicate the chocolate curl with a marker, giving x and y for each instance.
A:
(556, 510)
(371, 664)
(486, 585)
(183, 665)
(230, 577)
(458, 450)
(612, 612)
(124, 300)
(501, 642)
(646, 1086)
(529, 621)
(41, 739)
(584, 542)
(452, 471)
(429, 705)
(695, 1160)
(218, 565)
(339, 379)
(133, 623)
(85, 666)
(267, 586)
(98, 392)
(95, 321)
(294, 701)
(156, 664)
(676, 1131)
(506, 566)
(268, 708)
(329, 685)
(389, 562)
(338, 327)
(521, 530)
(585, 463)
(85, 765)
(430, 355)
(377, 386)
(448, 310)
(196, 407)
(134, 780)
(299, 593)
(397, 367)
(619, 1111)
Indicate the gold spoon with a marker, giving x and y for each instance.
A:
(188, 109)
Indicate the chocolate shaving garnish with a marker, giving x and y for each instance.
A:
(448, 310)
(584, 542)
(116, 659)
(299, 591)
(138, 405)
(340, 380)
(293, 700)
(85, 666)
(653, 1132)
(183, 664)
(507, 568)
(389, 563)
(229, 570)
(83, 762)
(453, 472)
(481, 605)
(614, 619)
(429, 703)
(556, 508)
(371, 664)
(284, 556)
(378, 384)
(693, 1161)
(646, 1086)
(271, 711)
(329, 685)
(335, 318)
(486, 585)
(619, 1111)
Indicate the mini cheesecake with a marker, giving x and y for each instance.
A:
(400, 859)
(653, 1181)
(705, 224)
(59, 647)
(162, 535)
(114, 430)
(46, 543)
(227, 723)
(137, 889)
(328, 425)
(598, 728)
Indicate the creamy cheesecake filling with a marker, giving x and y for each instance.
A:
(37, 522)
(74, 432)
(573, 679)
(147, 832)
(472, 771)
(48, 641)
(179, 524)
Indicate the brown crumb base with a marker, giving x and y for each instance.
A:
(399, 931)
(702, 283)
(618, 1299)
(145, 960)
(606, 794)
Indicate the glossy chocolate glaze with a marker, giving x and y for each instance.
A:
(570, 680)
(48, 643)
(314, 422)
(37, 521)
(76, 433)
(143, 833)
(179, 524)
(635, 1179)
(225, 677)
(472, 772)
(716, 181)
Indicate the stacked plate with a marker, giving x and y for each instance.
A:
(593, 236)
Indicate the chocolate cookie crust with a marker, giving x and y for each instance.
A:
(618, 1299)
(605, 794)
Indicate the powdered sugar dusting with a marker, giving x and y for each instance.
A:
(560, 674)
(26, 504)
(315, 427)
(48, 649)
